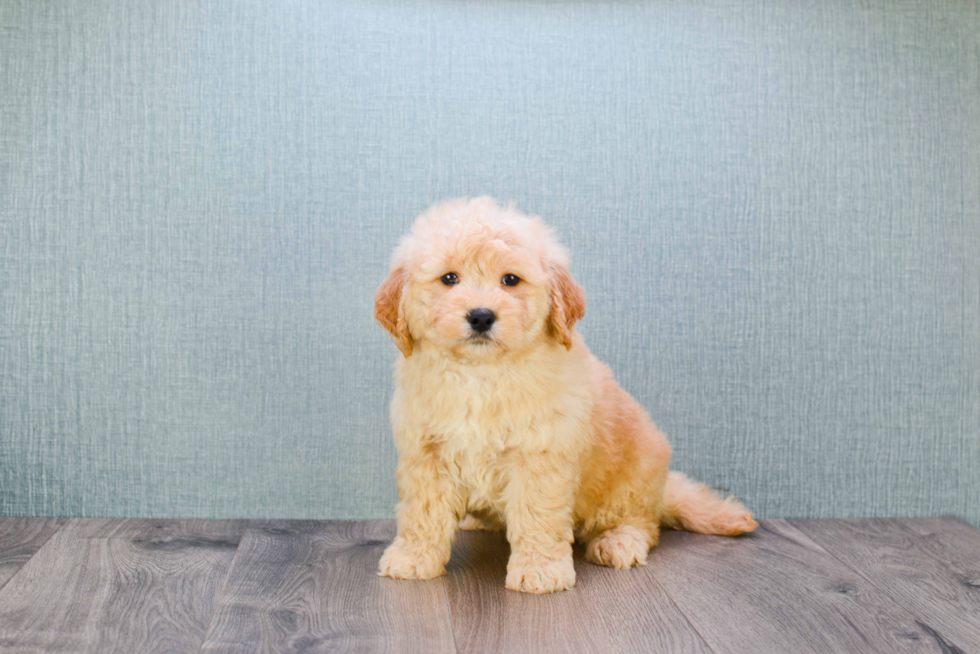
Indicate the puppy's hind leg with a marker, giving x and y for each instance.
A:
(623, 546)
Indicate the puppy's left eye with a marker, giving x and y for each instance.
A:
(510, 280)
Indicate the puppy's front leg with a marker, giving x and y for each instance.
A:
(428, 514)
(539, 498)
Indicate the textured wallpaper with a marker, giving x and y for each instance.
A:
(774, 207)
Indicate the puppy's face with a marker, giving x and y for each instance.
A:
(479, 299)
(477, 282)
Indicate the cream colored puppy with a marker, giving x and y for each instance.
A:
(501, 411)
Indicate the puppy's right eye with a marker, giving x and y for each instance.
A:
(449, 279)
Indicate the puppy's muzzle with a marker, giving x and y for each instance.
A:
(481, 320)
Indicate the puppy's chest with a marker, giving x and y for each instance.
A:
(477, 413)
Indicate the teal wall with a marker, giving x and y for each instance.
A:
(773, 205)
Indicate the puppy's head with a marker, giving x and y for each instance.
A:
(478, 281)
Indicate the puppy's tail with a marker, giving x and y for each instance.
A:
(692, 506)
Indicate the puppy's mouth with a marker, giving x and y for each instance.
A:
(481, 339)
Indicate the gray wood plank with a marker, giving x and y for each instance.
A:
(105, 586)
(931, 566)
(776, 590)
(20, 538)
(607, 610)
(313, 587)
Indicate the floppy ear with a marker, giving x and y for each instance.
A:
(389, 312)
(567, 304)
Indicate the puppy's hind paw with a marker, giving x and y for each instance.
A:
(622, 547)
(471, 523)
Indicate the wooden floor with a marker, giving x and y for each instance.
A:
(140, 586)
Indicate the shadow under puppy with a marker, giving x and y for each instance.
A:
(502, 417)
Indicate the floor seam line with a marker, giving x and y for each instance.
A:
(684, 615)
(224, 585)
(31, 558)
(449, 610)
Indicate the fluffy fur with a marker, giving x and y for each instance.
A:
(523, 429)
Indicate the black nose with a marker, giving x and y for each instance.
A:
(481, 320)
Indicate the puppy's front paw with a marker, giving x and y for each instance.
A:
(400, 562)
(540, 576)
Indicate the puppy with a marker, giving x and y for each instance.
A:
(502, 417)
